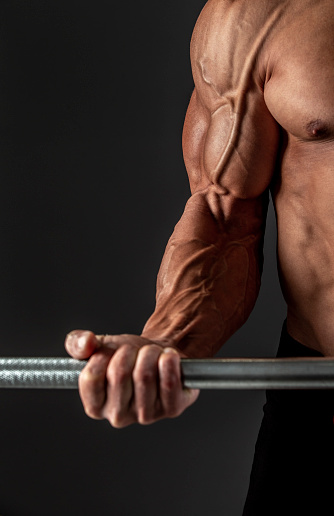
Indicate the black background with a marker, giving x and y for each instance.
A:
(93, 98)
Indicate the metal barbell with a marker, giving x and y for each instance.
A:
(216, 373)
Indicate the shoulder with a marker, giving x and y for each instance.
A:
(228, 40)
(249, 15)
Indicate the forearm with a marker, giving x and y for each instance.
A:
(210, 274)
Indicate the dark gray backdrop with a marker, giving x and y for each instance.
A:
(92, 101)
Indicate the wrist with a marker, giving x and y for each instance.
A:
(200, 337)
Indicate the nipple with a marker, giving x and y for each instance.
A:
(316, 128)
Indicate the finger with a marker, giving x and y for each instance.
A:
(92, 384)
(145, 376)
(174, 398)
(81, 344)
(115, 341)
(118, 408)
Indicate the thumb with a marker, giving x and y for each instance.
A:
(81, 344)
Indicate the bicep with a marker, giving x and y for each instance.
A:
(235, 150)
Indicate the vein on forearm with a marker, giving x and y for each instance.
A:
(209, 278)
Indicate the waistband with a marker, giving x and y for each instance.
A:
(298, 403)
(289, 347)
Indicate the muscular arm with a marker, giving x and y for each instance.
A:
(210, 274)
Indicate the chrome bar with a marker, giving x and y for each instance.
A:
(217, 373)
(40, 373)
(255, 373)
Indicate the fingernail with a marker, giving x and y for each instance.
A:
(81, 343)
(72, 334)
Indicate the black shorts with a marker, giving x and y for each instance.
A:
(293, 468)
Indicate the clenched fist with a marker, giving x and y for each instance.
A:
(128, 378)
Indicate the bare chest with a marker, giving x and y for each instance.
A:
(299, 91)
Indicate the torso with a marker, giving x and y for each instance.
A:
(300, 96)
(293, 55)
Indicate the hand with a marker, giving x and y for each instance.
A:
(128, 378)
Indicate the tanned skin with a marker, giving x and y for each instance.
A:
(261, 116)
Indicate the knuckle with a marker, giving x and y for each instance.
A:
(120, 367)
(92, 411)
(169, 383)
(89, 376)
(96, 366)
(92, 393)
(130, 347)
(121, 375)
(118, 419)
(144, 417)
(117, 374)
(148, 350)
(115, 420)
(146, 369)
(144, 377)
(126, 348)
(85, 378)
